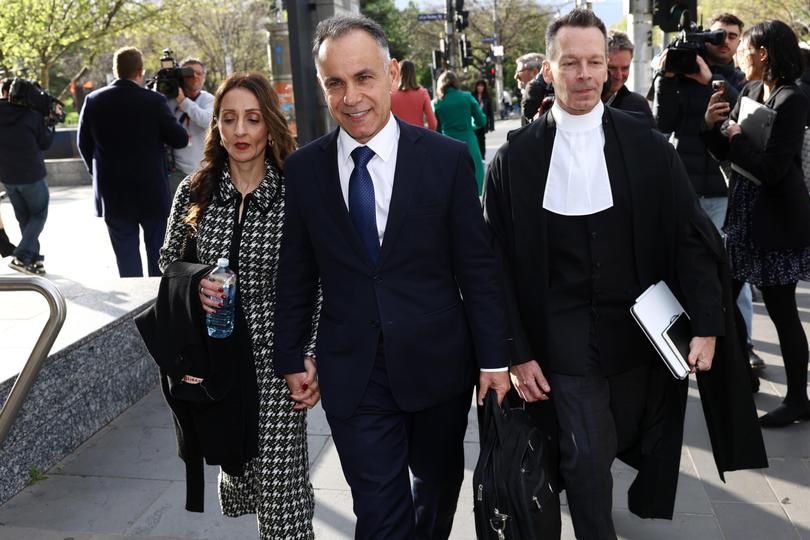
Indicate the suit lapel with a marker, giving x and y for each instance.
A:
(613, 157)
(410, 160)
(329, 183)
(534, 167)
(642, 190)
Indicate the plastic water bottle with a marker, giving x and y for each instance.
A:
(220, 324)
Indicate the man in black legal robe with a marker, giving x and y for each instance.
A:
(589, 207)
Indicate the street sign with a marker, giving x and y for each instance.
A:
(423, 17)
(487, 40)
(497, 50)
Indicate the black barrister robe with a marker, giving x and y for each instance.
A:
(672, 238)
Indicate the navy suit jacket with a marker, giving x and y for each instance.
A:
(433, 297)
(122, 130)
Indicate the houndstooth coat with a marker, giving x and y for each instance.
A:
(275, 485)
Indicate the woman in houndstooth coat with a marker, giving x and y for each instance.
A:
(233, 207)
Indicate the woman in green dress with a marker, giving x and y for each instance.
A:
(459, 115)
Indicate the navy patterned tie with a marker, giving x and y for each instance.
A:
(362, 207)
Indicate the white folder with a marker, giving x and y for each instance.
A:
(664, 322)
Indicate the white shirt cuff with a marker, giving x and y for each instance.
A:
(494, 370)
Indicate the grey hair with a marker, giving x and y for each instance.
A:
(340, 25)
(619, 41)
(578, 18)
(531, 60)
(193, 60)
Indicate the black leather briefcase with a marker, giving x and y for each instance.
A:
(515, 496)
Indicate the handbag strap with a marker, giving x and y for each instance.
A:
(189, 253)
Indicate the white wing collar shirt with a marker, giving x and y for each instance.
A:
(381, 167)
(578, 183)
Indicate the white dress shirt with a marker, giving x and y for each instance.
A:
(381, 168)
(578, 183)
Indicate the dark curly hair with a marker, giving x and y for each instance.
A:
(784, 61)
(204, 181)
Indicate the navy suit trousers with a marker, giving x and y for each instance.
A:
(124, 236)
(379, 444)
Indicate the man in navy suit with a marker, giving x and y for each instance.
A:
(122, 130)
(386, 217)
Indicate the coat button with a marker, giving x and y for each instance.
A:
(374, 324)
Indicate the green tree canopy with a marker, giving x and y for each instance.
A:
(36, 34)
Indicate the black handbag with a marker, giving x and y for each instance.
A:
(515, 494)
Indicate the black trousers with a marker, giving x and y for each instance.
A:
(598, 418)
(380, 444)
(124, 236)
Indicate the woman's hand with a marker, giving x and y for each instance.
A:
(733, 129)
(718, 109)
(304, 389)
(211, 295)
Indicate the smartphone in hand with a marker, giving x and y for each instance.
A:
(719, 86)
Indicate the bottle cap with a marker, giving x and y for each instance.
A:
(222, 262)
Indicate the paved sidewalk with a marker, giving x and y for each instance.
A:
(127, 483)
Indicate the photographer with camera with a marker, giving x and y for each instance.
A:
(122, 131)
(681, 99)
(683, 87)
(193, 107)
(23, 136)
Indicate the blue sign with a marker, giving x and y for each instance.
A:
(422, 17)
(487, 40)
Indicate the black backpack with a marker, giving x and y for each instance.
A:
(514, 482)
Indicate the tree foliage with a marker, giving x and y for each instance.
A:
(36, 34)
(519, 24)
(795, 13)
(386, 14)
(227, 36)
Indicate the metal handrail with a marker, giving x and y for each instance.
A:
(28, 374)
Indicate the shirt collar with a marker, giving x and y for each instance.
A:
(577, 122)
(383, 143)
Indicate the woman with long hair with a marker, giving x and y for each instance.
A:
(481, 95)
(410, 102)
(459, 115)
(233, 207)
(768, 219)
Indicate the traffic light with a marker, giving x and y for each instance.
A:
(669, 14)
(459, 5)
(488, 69)
(438, 59)
(462, 20)
(465, 51)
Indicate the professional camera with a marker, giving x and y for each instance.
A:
(30, 94)
(683, 51)
(169, 78)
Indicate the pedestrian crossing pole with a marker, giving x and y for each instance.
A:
(639, 26)
(450, 34)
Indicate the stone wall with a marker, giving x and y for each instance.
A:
(80, 389)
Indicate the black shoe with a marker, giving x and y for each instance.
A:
(38, 268)
(6, 247)
(19, 266)
(32, 269)
(784, 415)
(756, 361)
